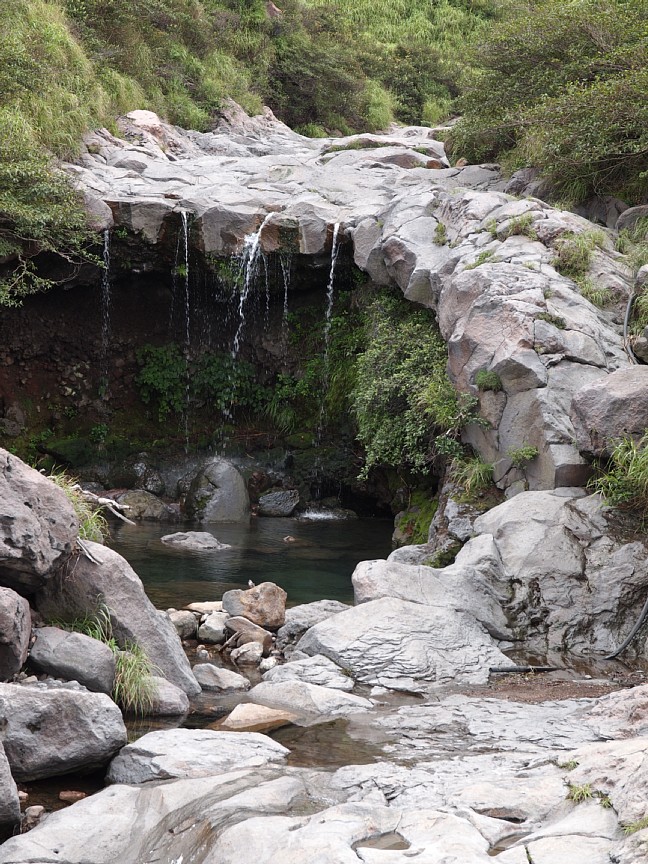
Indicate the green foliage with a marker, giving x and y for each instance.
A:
(92, 524)
(633, 242)
(584, 792)
(624, 482)
(521, 456)
(562, 86)
(554, 320)
(568, 766)
(573, 253)
(414, 524)
(163, 378)
(482, 258)
(521, 225)
(133, 688)
(472, 473)
(487, 379)
(405, 406)
(599, 295)
(440, 234)
(633, 827)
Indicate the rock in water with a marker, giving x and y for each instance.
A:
(196, 541)
(280, 503)
(265, 604)
(218, 494)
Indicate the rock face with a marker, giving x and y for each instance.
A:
(218, 494)
(38, 526)
(9, 803)
(74, 657)
(265, 605)
(611, 408)
(191, 753)
(281, 503)
(56, 731)
(15, 631)
(196, 541)
(405, 646)
(113, 582)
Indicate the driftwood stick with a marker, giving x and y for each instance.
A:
(86, 551)
(112, 506)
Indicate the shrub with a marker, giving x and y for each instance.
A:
(473, 474)
(598, 295)
(440, 234)
(574, 253)
(521, 456)
(624, 482)
(487, 379)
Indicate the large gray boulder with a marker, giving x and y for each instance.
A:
(194, 541)
(81, 588)
(218, 494)
(9, 803)
(176, 753)
(74, 657)
(38, 525)
(300, 618)
(611, 408)
(404, 645)
(50, 731)
(307, 700)
(167, 700)
(15, 632)
(264, 604)
(279, 503)
(313, 670)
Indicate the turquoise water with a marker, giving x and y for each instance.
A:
(318, 565)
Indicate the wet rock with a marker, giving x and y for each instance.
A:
(146, 506)
(15, 632)
(304, 699)
(314, 670)
(9, 801)
(177, 753)
(38, 527)
(167, 700)
(611, 408)
(195, 541)
(185, 623)
(405, 646)
(249, 654)
(212, 677)
(71, 796)
(33, 816)
(265, 605)
(621, 715)
(218, 494)
(280, 503)
(205, 608)
(255, 718)
(133, 616)
(74, 657)
(213, 628)
(47, 732)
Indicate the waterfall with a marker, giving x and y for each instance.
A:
(250, 260)
(187, 318)
(285, 262)
(105, 313)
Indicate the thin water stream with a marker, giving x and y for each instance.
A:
(105, 310)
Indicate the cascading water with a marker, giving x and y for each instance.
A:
(330, 296)
(187, 319)
(250, 261)
(285, 262)
(105, 312)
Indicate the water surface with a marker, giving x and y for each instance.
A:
(316, 566)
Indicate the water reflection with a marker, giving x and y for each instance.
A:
(316, 564)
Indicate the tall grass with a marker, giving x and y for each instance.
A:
(624, 482)
(92, 523)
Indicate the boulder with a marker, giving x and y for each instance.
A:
(185, 622)
(9, 802)
(194, 541)
(212, 677)
(280, 503)
(405, 646)
(246, 631)
(38, 526)
(631, 216)
(313, 670)
(218, 494)
(147, 506)
(611, 408)
(249, 654)
(206, 607)
(52, 731)
(265, 605)
(111, 581)
(74, 657)
(307, 700)
(300, 618)
(248, 717)
(15, 632)
(176, 753)
(213, 628)
(167, 700)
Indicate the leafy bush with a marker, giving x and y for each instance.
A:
(521, 456)
(487, 379)
(562, 86)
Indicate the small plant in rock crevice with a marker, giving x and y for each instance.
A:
(521, 456)
(487, 379)
(633, 827)
(482, 258)
(92, 523)
(623, 483)
(440, 234)
(522, 225)
(556, 320)
(472, 473)
(573, 253)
